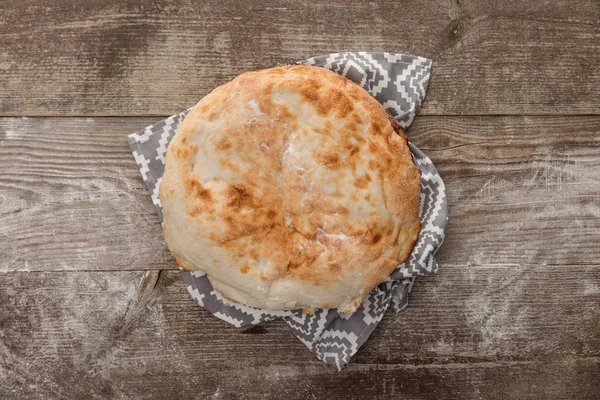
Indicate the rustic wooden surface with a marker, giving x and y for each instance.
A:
(91, 303)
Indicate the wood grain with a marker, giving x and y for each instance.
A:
(157, 57)
(71, 197)
(494, 332)
(521, 190)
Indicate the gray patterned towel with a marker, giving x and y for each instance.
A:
(399, 83)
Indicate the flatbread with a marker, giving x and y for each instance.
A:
(291, 188)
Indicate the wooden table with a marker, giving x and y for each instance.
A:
(91, 303)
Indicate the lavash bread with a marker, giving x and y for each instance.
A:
(291, 188)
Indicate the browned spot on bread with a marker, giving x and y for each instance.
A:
(325, 101)
(374, 146)
(352, 149)
(355, 117)
(358, 138)
(239, 197)
(369, 232)
(284, 114)
(363, 181)
(194, 188)
(249, 214)
(226, 162)
(342, 210)
(343, 105)
(308, 89)
(197, 209)
(291, 266)
(325, 132)
(376, 238)
(245, 268)
(335, 268)
(216, 260)
(335, 101)
(184, 152)
(310, 95)
(330, 159)
(316, 274)
(212, 115)
(376, 128)
(223, 144)
(350, 130)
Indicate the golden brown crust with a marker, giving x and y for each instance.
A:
(299, 179)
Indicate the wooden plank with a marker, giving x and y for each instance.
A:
(521, 190)
(127, 58)
(71, 197)
(494, 332)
